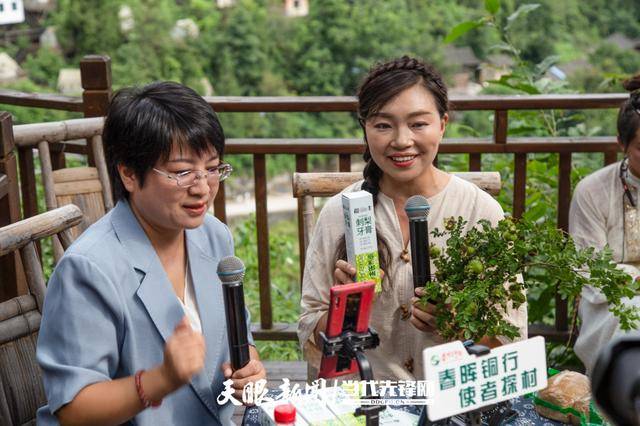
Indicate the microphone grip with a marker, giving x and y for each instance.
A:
(420, 260)
(236, 324)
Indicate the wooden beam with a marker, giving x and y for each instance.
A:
(279, 331)
(28, 181)
(500, 126)
(519, 184)
(326, 184)
(17, 235)
(40, 100)
(610, 157)
(475, 162)
(57, 131)
(326, 103)
(95, 72)
(458, 103)
(12, 281)
(301, 167)
(344, 162)
(262, 229)
(549, 333)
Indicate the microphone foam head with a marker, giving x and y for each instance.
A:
(417, 206)
(230, 269)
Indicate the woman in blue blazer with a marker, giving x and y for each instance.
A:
(133, 328)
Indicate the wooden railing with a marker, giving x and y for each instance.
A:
(96, 81)
(11, 276)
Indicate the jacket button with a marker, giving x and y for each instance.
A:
(405, 312)
(408, 364)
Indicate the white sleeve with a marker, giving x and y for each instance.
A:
(587, 221)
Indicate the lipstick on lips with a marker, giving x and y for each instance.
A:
(405, 160)
(196, 209)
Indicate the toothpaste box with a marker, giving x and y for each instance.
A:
(343, 404)
(332, 406)
(314, 411)
(360, 236)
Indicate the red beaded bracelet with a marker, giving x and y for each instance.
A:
(143, 398)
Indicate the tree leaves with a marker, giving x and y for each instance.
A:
(492, 6)
(521, 11)
(461, 29)
(471, 299)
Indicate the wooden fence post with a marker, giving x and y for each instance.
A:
(95, 73)
(12, 282)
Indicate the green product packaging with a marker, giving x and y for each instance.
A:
(360, 236)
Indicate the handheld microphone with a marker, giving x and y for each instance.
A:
(417, 208)
(231, 272)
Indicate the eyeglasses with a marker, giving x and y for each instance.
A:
(190, 177)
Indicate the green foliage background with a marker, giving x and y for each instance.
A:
(252, 49)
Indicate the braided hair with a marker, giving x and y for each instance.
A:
(384, 82)
(629, 114)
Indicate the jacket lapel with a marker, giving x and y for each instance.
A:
(155, 291)
(208, 291)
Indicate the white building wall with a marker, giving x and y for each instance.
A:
(295, 8)
(11, 12)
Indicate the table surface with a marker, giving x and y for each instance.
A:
(526, 414)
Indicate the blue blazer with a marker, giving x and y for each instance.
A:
(110, 308)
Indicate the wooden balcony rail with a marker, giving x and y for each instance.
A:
(28, 136)
(41, 100)
(341, 103)
(96, 79)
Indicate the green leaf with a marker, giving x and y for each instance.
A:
(536, 212)
(505, 81)
(547, 63)
(504, 47)
(527, 88)
(461, 29)
(521, 11)
(522, 130)
(492, 6)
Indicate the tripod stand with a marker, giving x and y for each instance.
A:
(349, 346)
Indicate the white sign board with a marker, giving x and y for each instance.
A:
(11, 12)
(466, 382)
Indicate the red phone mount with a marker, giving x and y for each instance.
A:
(347, 328)
(348, 336)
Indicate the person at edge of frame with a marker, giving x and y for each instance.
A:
(604, 212)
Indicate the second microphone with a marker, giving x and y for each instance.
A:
(231, 273)
(417, 209)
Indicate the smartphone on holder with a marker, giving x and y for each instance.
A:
(349, 310)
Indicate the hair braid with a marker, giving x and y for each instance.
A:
(629, 113)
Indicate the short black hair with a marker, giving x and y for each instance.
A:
(143, 124)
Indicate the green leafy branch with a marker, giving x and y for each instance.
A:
(526, 78)
(486, 271)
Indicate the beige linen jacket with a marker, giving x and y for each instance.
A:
(399, 356)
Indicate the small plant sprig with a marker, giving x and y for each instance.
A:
(477, 276)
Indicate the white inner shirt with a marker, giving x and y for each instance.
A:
(190, 304)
